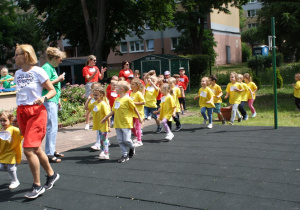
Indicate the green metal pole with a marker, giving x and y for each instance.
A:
(274, 72)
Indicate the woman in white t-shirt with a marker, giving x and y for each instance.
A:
(32, 115)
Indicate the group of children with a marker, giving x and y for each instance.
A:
(238, 92)
(125, 105)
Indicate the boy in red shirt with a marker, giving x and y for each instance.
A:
(184, 81)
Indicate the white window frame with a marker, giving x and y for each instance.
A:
(251, 25)
(147, 45)
(172, 47)
(252, 1)
(147, 26)
(121, 50)
(134, 45)
(251, 12)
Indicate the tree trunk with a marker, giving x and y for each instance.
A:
(87, 24)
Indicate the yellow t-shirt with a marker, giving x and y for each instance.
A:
(11, 145)
(99, 110)
(123, 109)
(253, 87)
(176, 95)
(167, 105)
(297, 89)
(150, 96)
(138, 97)
(216, 89)
(205, 95)
(245, 94)
(234, 97)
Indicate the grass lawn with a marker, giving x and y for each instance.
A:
(287, 116)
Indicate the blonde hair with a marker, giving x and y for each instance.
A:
(113, 82)
(29, 53)
(240, 77)
(168, 88)
(137, 81)
(297, 75)
(160, 81)
(96, 85)
(100, 90)
(4, 69)
(124, 85)
(114, 78)
(172, 80)
(90, 57)
(53, 52)
(8, 114)
(247, 76)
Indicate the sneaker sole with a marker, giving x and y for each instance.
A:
(57, 177)
(39, 193)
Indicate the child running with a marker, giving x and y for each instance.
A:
(139, 101)
(206, 98)
(100, 109)
(123, 109)
(217, 91)
(10, 147)
(167, 110)
(297, 91)
(176, 95)
(244, 96)
(233, 91)
(185, 82)
(253, 87)
(151, 94)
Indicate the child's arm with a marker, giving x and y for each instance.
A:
(139, 116)
(211, 100)
(145, 77)
(139, 103)
(196, 97)
(152, 83)
(107, 117)
(251, 93)
(182, 92)
(174, 112)
(86, 106)
(157, 111)
(227, 94)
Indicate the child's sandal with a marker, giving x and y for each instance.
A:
(53, 159)
(57, 154)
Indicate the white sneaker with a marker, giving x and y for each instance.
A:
(149, 118)
(254, 114)
(14, 184)
(103, 156)
(204, 122)
(96, 147)
(87, 127)
(135, 140)
(169, 136)
(210, 125)
(138, 144)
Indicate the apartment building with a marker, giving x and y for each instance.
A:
(250, 14)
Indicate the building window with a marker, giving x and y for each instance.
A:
(147, 26)
(252, 1)
(150, 45)
(123, 47)
(250, 25)
(174, 42)
(137, 46)
(251, 13)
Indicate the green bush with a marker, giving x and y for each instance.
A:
(199, 66)
(256, 62)
(73, 93)
(288, 72)
(246, 52)
(257, 81)
(279, 79)
(279, 59)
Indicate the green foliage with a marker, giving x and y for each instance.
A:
(199, 66)
(279, 59)
(246, 52)
(257, 81)
(251, 36)
(257, 62)
(73, 93)
(288, 72)
(279, 79)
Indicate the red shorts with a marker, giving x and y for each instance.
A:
(32, 120)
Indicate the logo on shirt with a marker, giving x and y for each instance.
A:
(24, 79)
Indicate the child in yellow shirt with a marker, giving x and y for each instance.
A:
(123, 110)
(10, 147)
(217, 91)
(297, 91)
(233, 91)
(151, 94)
(206, 98)
(244, 96)
(167, 110)
(251, 98)
(139, 101)
(176, 95)
(100, 109)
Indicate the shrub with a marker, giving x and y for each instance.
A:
(199, 66)
(288, 72)
(246, 52)
(257, 81)
(279, 79)
(73, 93)
(279, 59)
(256, 62)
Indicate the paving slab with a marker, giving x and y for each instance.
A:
(227, 167)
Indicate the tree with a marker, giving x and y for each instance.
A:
(287, 28)
(251, 37)
(99, 26)
(192, 20)
(16, 27)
